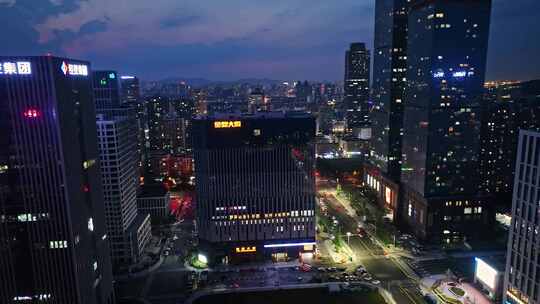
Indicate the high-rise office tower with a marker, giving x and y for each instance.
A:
(106, 89)
(131, 92)
(508, 108)
(128, 231)
(522, 275)
(446, 58)
(155, 143)
(389, 81)
(52, 224)
(255, 184)
(356, 87)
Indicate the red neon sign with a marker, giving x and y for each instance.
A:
(31, 113)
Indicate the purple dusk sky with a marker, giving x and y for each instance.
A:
(226, 40)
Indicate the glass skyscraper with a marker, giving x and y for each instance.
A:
(52, 227)
(255, 184)
(446, 58)
(389, 80)
(356, 86)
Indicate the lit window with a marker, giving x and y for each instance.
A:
(91, 224)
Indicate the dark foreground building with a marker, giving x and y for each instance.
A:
(53, 246)
(446, 57)
(255, 185)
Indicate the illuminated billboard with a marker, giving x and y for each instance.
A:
(227, 124)
(74, 69)
(486, 274)
(15, 68)
(246, 249)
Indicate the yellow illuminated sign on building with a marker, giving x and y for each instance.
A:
(227, 124)
(246, 249)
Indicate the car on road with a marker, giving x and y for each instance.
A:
(376, 282)
(368, 278)
(299, 279)
(321, 269)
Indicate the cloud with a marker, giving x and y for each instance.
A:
(168, 22)
(7, 3)
(235, 38)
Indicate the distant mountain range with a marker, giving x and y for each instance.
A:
(201, 82)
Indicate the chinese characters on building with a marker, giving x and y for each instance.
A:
(15, 68)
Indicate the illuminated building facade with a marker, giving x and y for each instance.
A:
(389, 81)
(255, 184)
(356, 86)
(52, 220)
(522, 276)
(446, 57)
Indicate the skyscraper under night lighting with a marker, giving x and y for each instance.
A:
(255, 185)
(446, 58)
(389, 81)
(52, 228)
(356, 87)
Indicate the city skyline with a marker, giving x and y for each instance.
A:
(241, 152)
(278, 41)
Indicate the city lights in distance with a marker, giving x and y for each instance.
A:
(15, 68)
(32, 113)
(127, 77)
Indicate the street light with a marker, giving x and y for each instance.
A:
(348, 237)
